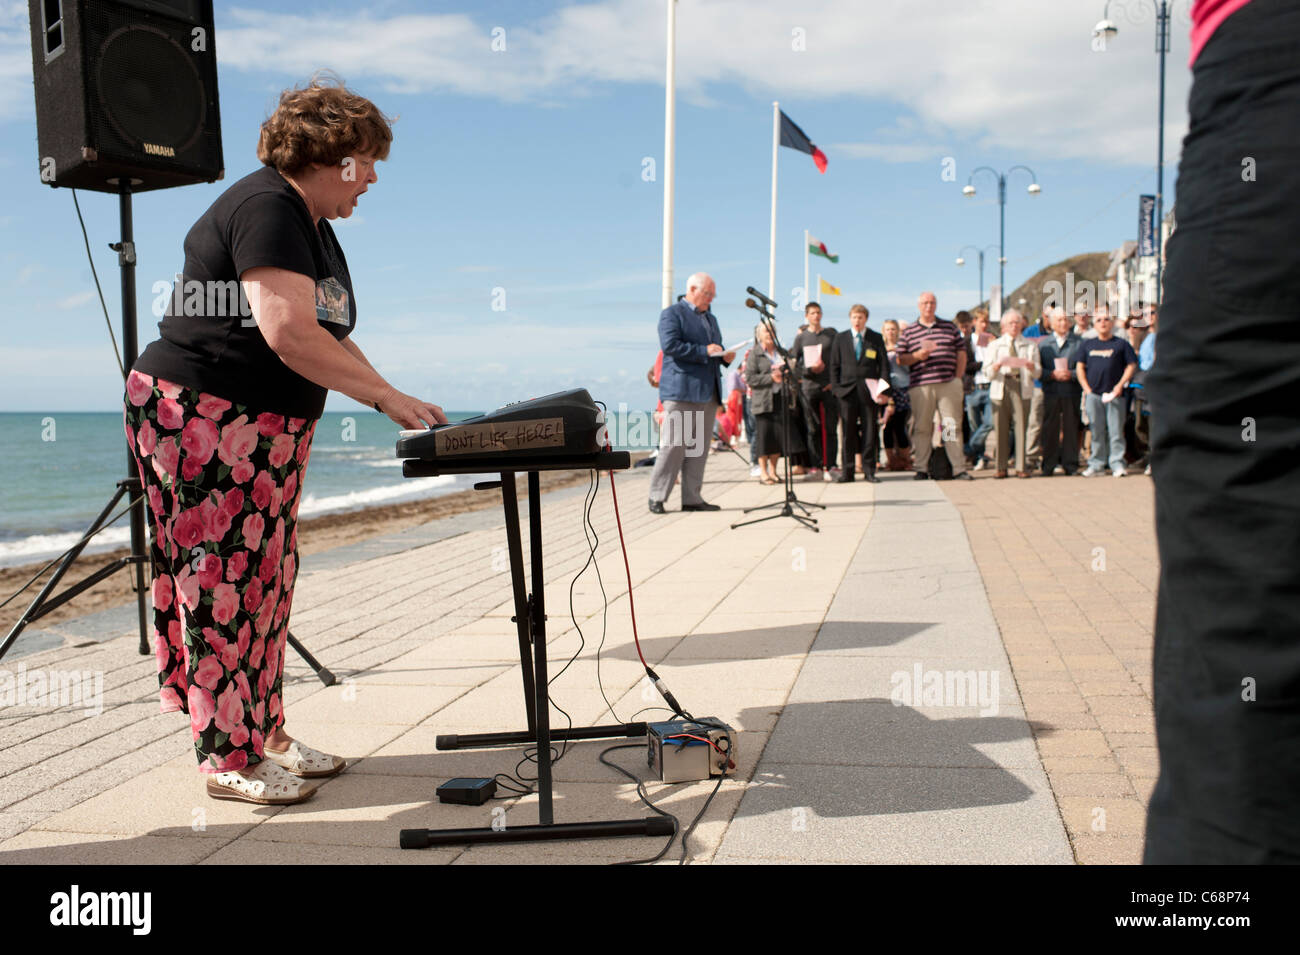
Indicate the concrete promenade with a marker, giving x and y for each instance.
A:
(946, 673)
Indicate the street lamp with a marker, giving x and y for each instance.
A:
(969, 191)
(1106, 30)
(961, 261)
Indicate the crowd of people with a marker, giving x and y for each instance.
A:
(934, 396)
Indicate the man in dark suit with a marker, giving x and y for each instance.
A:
(691, 390)
(821, 411)
(856, 355)
(1061, 395)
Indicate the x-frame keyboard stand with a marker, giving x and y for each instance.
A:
(530, 621)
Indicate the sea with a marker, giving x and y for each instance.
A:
(58, 470)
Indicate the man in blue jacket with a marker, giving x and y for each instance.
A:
(691, 390)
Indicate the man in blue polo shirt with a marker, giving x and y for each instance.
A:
(1105, 365)
(691, 390)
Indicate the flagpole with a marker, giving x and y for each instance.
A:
(776, 142)
(807, 292)
(819, 284)
(670, 137)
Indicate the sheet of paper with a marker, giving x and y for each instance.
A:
(739, 349)
(1013, 362)
(1062, 364)
(1107, 398)
(877, 386)
(812, 354)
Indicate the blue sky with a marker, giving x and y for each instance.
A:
(522, 169)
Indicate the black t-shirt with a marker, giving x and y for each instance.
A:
(210, 340)
(1104, 362)
(808, 337)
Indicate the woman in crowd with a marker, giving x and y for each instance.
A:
(764, 374)
(897, 444)
(220, 414)
(1012, 364)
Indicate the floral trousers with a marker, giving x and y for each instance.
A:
(223, 484)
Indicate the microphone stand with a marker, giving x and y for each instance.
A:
(791, 500)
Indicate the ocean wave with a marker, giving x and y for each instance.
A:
(312, 505)
(37, 547)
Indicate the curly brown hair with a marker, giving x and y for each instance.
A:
(322, 122)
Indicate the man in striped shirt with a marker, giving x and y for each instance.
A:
(933, 350)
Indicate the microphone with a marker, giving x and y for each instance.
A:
(760, 296)
(750, 303)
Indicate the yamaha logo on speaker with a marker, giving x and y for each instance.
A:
(154, 150)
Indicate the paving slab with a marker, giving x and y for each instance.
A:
(853, 774)
(904, 685)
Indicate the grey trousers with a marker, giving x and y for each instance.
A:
(1008, 414)
(684, 440)
(1034, 431)
(948, 398)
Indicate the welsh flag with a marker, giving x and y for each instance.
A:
(817, 247)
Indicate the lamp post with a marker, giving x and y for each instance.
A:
(969, 191)
(1107, 29)
(961, 261)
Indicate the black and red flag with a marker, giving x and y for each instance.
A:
(793, 136)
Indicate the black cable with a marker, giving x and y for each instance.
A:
(117, 354)
(643, 709)
(510, 784)
(588, 497)
(518, 779)
(517, 783)
(699, 815)
(594, 542)
(523, 782)
(645, 798)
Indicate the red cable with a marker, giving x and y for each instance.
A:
(628, 568)
(654, 677)
(721, 752)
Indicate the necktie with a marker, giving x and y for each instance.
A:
(857, 345)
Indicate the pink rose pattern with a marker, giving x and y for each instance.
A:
(223, 484)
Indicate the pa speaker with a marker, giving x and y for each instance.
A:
(126, 91)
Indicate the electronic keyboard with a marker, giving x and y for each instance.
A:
(563, 430)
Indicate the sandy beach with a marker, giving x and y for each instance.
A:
(315, 534)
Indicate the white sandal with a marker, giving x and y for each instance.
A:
(306, 762)
(266, 785)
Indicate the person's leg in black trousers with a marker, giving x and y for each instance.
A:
(1070, 425)
(851, 412)
(1051, 432)
(1226, 461)
(820, 422)
(870, 438)
(829, 416)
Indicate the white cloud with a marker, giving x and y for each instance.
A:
(75, 300)
(891, 152)
(1013, 75)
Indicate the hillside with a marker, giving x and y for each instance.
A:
(1087, 267)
